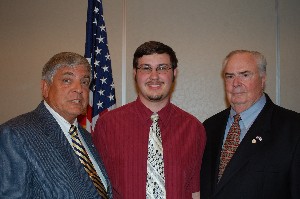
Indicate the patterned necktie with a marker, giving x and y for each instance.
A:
(155, 186)
(230, 145)
(85, 160)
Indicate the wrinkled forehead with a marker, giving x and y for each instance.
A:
(75, 70)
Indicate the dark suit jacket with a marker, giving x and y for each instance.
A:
(268, 169)
(37, 161)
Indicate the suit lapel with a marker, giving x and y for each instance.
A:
(252, 144)
(217, 139)
(56, 140)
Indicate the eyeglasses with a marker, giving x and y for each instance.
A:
(160, 69)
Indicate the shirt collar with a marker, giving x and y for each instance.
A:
(63, 123)
(248, 116)
(145, 113)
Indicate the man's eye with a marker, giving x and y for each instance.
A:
(229, 76)
(146, 68)
(161, 68)
(246, 75)
(86, 82)
(66, 80)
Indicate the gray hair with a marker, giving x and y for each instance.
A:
(63, 59)
(261, 61)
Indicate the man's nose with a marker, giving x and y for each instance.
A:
(236, 81)
(78, 87)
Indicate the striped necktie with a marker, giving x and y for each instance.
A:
(230, 145)
(155, 186)
(85, 160)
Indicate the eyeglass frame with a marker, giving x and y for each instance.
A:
(160, 68)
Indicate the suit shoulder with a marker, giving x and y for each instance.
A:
(286, 111)
(19, 121)
(217, 117)
(19, 129)
(286, 115)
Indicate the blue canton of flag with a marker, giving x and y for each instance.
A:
(102, 90)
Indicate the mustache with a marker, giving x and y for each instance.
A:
(150, 82)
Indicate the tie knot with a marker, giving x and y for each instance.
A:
(237, 118)
(154, 117)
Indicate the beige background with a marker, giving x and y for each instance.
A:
(202, 32)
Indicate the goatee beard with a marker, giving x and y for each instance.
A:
(155, 98)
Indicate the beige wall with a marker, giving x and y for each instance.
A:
(201, 33)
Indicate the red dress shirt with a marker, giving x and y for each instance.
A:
(121, 138)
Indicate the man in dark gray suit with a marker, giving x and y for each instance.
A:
(266, 162)
(37, 159)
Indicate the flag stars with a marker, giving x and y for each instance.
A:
(102, 28)
(100, 39)
(96, 10)
(96, 63)
(103, 80)
(100, 104)
(107, 56)
(112, 85)
(101, 92)
(98, 51)
(111, 97)
(105, 68)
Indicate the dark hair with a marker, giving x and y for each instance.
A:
(154, 47)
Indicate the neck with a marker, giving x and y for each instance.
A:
(155, 106)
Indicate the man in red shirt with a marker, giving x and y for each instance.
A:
(121, 135)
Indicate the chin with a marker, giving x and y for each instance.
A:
(238, 97)
(155, 98)
(76, 111)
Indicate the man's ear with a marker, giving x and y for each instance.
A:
(174, 74)
(263, 82)
(134, 74)
(44, 88)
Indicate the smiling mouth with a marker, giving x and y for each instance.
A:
(76, 101)
(154, 84)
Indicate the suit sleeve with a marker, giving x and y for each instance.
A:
(14, 180)
(295, 173)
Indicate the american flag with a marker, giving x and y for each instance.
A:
(102, 90)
